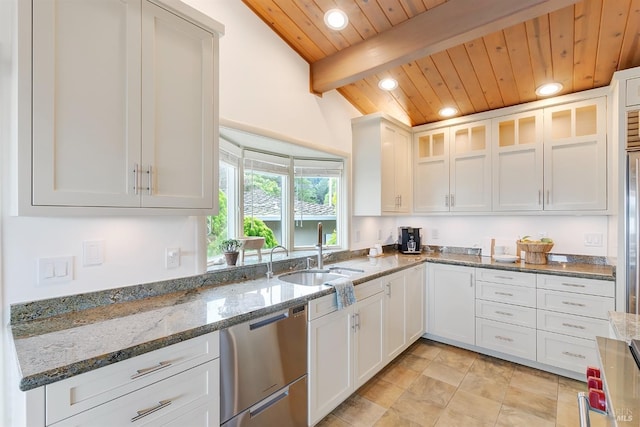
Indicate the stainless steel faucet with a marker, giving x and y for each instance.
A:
(319, 247)
(270, 265)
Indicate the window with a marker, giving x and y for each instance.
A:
(280, 195)
(265, 202)
(316, 196)
(224, 225)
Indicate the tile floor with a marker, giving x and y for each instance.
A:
(433, 384)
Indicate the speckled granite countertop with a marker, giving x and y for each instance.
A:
(51, 347)
(626, 326)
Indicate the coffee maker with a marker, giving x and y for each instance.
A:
(408, 237)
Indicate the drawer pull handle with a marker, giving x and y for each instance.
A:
(576, 355)
(504, 277)
(144, 412)
(498, 337)
(506, 294)
(569, 325)
(573, 285)
(575, 304)
(504, 313)
(145, 371)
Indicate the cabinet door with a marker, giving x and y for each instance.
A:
(575, 156)
(451, 301)
(86, 102)
(402, 175)
(178, 140)
(517, 162)
(470, 169)
(388, 165)
(330, 362)
(395, 336)
(414, 303)
(368, 343)
(431, 176)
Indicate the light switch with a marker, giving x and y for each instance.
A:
(55, 270)
(92, 252)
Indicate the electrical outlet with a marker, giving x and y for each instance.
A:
(379, 234)
(435, 234)
(172, 257)
(356, 237)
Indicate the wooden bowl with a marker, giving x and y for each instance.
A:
(535, 253)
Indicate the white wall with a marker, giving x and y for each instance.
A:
(469, 231)
(264, 84)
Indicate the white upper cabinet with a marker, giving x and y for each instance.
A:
(177, 111)
(575, 156)
(381, 166)
(431, 180)
(517, 162)
(124, 110)
(470, 171)
(453, 169)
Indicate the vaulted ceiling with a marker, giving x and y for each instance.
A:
(475, 55)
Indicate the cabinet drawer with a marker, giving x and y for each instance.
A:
(505, 338)
(513, 314)
(506, 293)
(603, 288)
(328, 304)
(569, 324)
(85, 391)
(510, 277)
(566, 352)
(161, 403)
(582, 305)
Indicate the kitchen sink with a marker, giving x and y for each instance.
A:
(310, 277)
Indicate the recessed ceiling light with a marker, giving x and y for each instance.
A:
(548, 89)
(388, 84)
(336, 19)
(448, 111)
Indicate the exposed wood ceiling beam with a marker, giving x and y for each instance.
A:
(443, 27)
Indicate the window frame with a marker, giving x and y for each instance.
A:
(288, 218)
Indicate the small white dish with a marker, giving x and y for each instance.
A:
(506, 258)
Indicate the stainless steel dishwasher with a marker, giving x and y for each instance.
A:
(263, 371)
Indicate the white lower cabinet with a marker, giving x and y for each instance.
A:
(175, 385)
(189, 398)
(394, 331)
(507, 338)
(451, 302)
(571, 313)
(506, 312)
(348, 347)
(567, 352)
(550, 320)
(414, 303)
(345, 347)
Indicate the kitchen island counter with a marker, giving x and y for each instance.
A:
(51, 347)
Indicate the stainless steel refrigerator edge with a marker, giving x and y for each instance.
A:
(632, 215)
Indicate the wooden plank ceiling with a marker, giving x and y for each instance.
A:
(580, 46)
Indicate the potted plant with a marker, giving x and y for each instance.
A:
(230, 249)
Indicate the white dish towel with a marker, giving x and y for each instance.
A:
(345, 293)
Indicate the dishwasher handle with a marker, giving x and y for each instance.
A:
(268, 321)
(268, 402)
